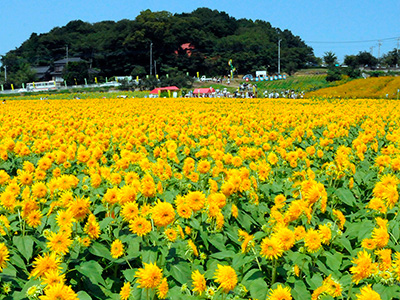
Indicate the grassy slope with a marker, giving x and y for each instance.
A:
(298, 83)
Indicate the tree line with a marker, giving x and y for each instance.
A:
(353, 64)
(123, 48)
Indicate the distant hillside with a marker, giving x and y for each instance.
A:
(373, 87)
(201, 41)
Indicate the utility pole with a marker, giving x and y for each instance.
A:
(397, 53)
(5, 73)
(279, 56)
(155, 68)
(151, 58)
(66, 52)
(379, 49)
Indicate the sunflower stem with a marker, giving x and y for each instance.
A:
(273, 279)
(349, 294)
(255, 255)
(127, 261)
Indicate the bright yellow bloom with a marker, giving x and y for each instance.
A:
(149, 277)
(59, 291)
(280, 293)
(140, 226)
(367, 293)
(59, 243)
(198, 282)
(125, 291)
(117, 248)
(163, 214)
(4, 256)
(226, 277)
(271, 248)
(363, 266)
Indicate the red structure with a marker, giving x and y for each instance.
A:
(206, 91)
(187, 47)
(167, 88)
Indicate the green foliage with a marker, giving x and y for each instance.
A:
(334, 74)
(123, 47)
(330, 59)
(75, 72)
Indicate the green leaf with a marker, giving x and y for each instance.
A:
(133, 250)
(345, 243)
(242, 261)
(105, 222)
(315, 281)
(83, 296)
(169, 196)
(181, 272)
(9, 271)
(24, 245)
(16, 260)
(204, 237)
(195, 224)
(129, 274)
(100, 250)
(218, 241)
(333, 261)
(92, 270)
(322, 267)
(346, 196)
(223, 254)
(149, 256)
(300, 292)
(386, 292)
(258, 288)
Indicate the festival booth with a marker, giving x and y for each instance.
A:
(169, 89)
(204, 92)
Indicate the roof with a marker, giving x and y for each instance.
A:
(187, 46)
(41, 70)
(204, 91)
(167, 88)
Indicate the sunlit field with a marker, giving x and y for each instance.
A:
(199, 199)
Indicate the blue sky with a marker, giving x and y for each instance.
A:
(343, 27)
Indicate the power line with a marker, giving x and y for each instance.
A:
(352, 42)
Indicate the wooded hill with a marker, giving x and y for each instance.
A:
(210, 38)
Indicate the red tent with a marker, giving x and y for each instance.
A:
(204, 91)
(167, 88)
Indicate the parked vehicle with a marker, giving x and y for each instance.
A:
(248, 77)
(41, 86)
(110, 83)
(204, 78)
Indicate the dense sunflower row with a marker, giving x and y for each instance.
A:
(199, 199)
(373, 87)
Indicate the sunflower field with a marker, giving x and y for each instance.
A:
(199, 199)
(372, 87)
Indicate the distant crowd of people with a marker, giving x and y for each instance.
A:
(291, 94)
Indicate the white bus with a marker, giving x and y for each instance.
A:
(41, 86)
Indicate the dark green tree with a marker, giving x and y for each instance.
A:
(330, 59)
(352, 66)
(366, 59)
(392, 58)
(75, 72)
